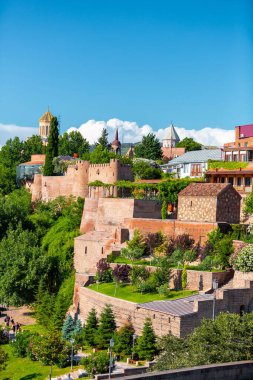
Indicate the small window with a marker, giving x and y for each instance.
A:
(191, 203)
(246, 145)
(102, 250)
(153, 316)
(222, 179)
(239, 144)
(85, 250)
(239, 181)
(231, 180)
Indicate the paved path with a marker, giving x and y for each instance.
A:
(22, 315)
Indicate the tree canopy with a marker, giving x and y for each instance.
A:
(52, 147)
(73, 142)
(149, 148)
(189, 144)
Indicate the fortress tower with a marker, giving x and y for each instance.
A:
(44, 126)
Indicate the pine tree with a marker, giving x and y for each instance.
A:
(103, 139)
(146, 343)
(107, 327)
(149, 148)
(68, 328)
(124, 339)
(91, 327)
(52, 147)
(78, 327)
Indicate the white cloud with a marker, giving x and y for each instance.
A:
(129, 131)
(8, 131)
(132, 132)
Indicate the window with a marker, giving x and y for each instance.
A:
(186, 168)
(247, 181)
(239, 181)
(222, 179)
(191, 203)
(246, 145)
(102, 250)
(231, 180)
(85, 250)
(243, 157)
(239, 144)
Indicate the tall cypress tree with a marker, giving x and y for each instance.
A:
(52, 147)
(146, 343)
(90, 328)
(103, 139)
(107, 327)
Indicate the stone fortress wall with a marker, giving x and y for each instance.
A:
(76, 179)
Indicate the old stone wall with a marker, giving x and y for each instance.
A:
(170, 227)
(111, 172)
(228, 207)
(240, 278)
(197, 209)
(199, 280)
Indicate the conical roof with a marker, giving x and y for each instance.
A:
(172, 134)
(46, 117)
(116, 141)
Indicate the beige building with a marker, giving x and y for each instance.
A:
(212, 202)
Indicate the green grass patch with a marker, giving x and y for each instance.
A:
(130, 293)
(36, 328)
(26, 369)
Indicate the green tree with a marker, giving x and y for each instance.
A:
(44, 306)
(100, 155)
(106, 328)
(124, 339)
(149, 148)
(32, 145)
(91, 326)
(73, 142)
(248, 204)
(52, 147)
(227, 339)
(189, 144)
(146, 343)
(21, 267)
(63, 301)
(68, 328)
(96, 363)
(143, 170)
(135, 247)
(103, 139)
(184, 277)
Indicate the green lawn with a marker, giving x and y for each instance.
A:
(26, 369)
(130, 293)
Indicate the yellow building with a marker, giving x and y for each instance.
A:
(44, 126)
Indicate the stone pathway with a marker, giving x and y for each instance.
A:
(22, 315)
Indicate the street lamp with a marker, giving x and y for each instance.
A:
(134, 339)
(110, 363)
(72, 352)
(215, 287)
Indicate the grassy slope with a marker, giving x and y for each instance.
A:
(130, 293)
(25, 369)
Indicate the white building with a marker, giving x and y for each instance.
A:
(193, 164)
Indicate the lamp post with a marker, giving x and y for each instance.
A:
(72, 353)
(215, 287)
(134, 339)
(110, 363)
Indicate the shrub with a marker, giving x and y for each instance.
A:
(104, 272)
(184, 277)
(138, 274)
(244, 260)
(96, 363)
(121, 273)
(184, 242)
(190, 255)
(163, 290)
(206, 264)
(149, 286)
(177, 257)
(21, 343)
(3, 336)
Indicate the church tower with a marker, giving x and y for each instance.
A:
(44, 126)
(172, 138)
(116, 144)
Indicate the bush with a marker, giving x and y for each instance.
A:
(104, 272)
(96, 363)
(177, 257)
(163, 290)
(184, 277)
(149, 286)
(121, 273)
(184, 242)
(3, 336)
(21, 343)
(138, 274)
(244, 260)
(190, 255)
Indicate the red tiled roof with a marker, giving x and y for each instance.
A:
(204, 189)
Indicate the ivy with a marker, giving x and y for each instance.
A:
(229, 165)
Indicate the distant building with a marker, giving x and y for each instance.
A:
(241, 150)
(192, 164)
(44, 126)
(169, 144)
(116, 144)
(27, 170)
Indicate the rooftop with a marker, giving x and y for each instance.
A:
(46, 117)
(204, 189)
(179, 307)
(198, 156)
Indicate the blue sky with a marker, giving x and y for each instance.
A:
(142, 61)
